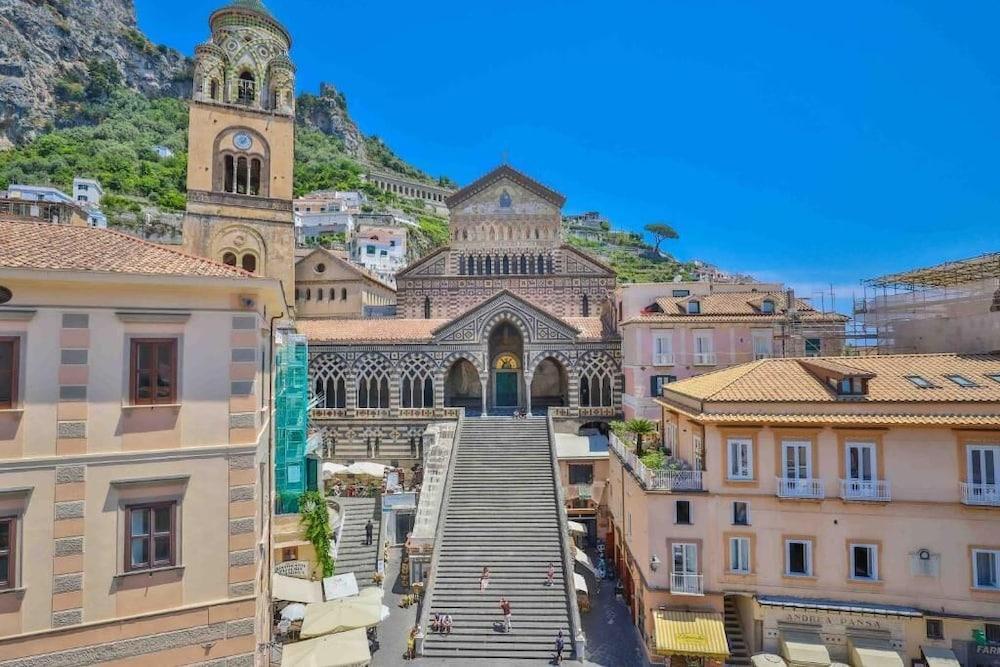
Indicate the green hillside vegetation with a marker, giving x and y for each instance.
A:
(635, 260)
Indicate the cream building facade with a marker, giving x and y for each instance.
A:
(840, 506)
(134, 451)
(329, 286)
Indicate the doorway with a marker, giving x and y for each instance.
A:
(506, 354)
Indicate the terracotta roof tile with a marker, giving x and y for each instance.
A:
(388, 330)
(32, 245)
(790, 380)
(734, 306)
(590, 327)
(868, 419)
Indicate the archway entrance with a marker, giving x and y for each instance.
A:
(549, 386)
(506, 367)
(462, 387)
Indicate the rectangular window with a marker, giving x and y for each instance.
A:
(814, 347)
(581, 473)
(682, 512)
(150, 536)
(798, 558)
(739, 555)
(985, 569)
(961, 381)
(921, 382)
(8, 552)
(797, 456)
(864, 562)
(992, 631)
(154, 371)
(935, 628)
(694, 307)
(8, 372)
(762, 341)
(658, 382)
(680, 293)
(860, 464)
(983, 467)
(740, 464)
(663, 351)
(741, 513)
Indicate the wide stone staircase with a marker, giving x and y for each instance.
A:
(501, 511)
(738, 651)
(353, 555)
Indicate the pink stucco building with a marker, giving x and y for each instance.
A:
(672, 331)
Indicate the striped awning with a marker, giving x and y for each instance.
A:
(691, 633)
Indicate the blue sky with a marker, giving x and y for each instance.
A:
(806, 143)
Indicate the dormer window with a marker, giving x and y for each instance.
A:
(767, 307)
(694, 307)
(653, 308)
(849, 386)
(921, 382)
(961, 381)
(680, 293)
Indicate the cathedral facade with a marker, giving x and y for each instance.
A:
(505, 318)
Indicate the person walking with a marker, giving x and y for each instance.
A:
(484, 579)
(368, 532)
(551, 575)
(560, 645)
(505, 608)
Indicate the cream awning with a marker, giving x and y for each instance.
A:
(693, 633)
(870, 652)
(291, 589)
(340, 586)
(327, 618)
(576, 528)
(938, 656)
(348, 649)
(580, 583)
(804, 649)
(767, 660)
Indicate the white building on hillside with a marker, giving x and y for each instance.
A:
(379, 243)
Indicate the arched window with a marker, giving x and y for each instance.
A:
(524, 265)
(465, 234)
(541, 264)
(298, 294)
(249, 262)
(328, 375)
(585, 306)
(489, 265)
(255, 177)
(461, 265)
(427, 308)
(548, 264)
(319, 294)
(230, 180)
(343, 293)
(506, 265)
(417, 382)
(213, 89)
(229, 258)
(308, 294)
(596, 381)
(536, 232)
(472, 265)
(373, 381)
(333, 294)
(246, 88)
(242, 173)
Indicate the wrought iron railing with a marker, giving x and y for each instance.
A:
(804, 487)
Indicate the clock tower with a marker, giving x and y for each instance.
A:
(241, 140)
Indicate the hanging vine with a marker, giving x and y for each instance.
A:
(316, 521)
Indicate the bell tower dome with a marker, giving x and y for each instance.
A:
(241, 140)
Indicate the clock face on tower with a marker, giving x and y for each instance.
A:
(242, 141)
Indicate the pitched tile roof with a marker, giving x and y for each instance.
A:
(792, 381)
(506, 171)
(590, 327)
(733, 306)
(388, 330)
(52, 247)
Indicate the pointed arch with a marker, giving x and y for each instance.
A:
(416, 381)
(328, 378)
(372, 375)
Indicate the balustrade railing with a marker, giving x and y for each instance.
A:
(858, 489)
(686, 583)
(656, 480)
(704, 358)
(981, 494)
(804, 487)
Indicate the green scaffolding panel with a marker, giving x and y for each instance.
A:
(291, 422)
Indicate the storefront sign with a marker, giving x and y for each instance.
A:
(825, 618)
(977, 655)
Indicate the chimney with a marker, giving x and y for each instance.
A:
(790, 300)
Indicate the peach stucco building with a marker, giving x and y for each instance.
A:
(672, 331)
(849, 506)
(134, 450)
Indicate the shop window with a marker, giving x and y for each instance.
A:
(992, 631)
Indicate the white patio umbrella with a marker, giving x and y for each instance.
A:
(294, 612)
(369, 468)
(331, 469)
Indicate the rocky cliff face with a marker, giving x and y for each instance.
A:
(46, 42)
(327, 112)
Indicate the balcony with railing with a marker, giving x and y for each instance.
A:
(686, 583)
(804, 487)
(987, 495)
(875, 490)
(663, 359)
(655, 480)
(704, 358)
